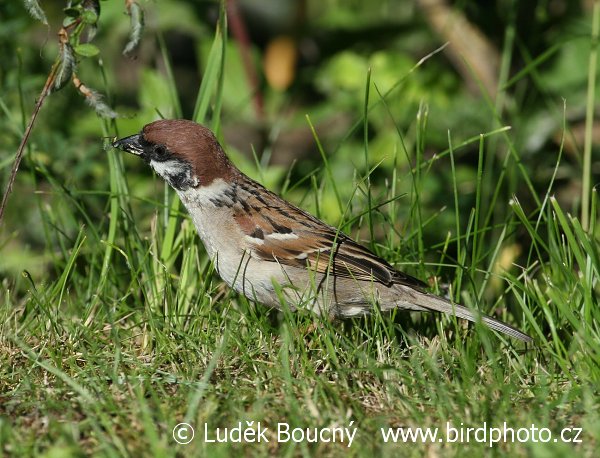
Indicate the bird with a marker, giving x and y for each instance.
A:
(272, 251)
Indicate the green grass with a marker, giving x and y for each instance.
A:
(127, 331)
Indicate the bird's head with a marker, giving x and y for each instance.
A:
(185, 154)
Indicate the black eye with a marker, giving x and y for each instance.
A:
(160, 152)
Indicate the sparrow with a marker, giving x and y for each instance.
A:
(268, 249)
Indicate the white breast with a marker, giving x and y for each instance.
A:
(225, 244)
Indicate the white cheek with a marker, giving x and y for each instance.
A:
(166, 168)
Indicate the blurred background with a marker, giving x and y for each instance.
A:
(293, 64)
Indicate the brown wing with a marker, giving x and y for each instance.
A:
(283, 233)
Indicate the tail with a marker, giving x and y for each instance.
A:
(437, 304)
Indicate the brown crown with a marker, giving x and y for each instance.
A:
(195, 144)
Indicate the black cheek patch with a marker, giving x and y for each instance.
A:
(182, 181)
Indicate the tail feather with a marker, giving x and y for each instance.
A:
(438, 304)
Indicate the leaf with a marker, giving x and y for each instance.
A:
(68, 20)
(86, 50)
(72, 12)
(89, 16)
(212, 73)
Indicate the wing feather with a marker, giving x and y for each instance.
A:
(290, 236)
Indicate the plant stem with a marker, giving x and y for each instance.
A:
(21, 149)
(589, 120)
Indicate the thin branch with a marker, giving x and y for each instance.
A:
(21, 150)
